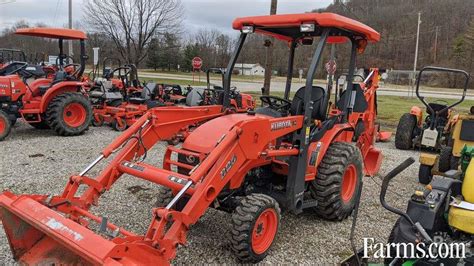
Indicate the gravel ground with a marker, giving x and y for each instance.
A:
(33, 161)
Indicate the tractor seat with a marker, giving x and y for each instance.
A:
(438, 107)
(148, 92)
(360, 104)
(320, 103)
(58, 77)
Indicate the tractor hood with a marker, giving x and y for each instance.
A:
(204, 138)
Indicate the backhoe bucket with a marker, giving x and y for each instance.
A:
(383, 136)
(39, 235)
(372, 161)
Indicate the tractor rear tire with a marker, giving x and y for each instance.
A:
(338, 181)
(5, 125)
(445, 155)
(69, 114)
(404, 135)
(255, 224)
(424, 174)
(391, 239)
(454, 163)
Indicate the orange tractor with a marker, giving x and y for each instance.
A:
(124, 100)
(58, 103)
(292, 154)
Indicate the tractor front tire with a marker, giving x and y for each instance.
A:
(404, 135)
(424, 174)
(69, 114)
(338, 181)
(116, 126)
(5, 125)
(445, 155)
(255, 223)
(164, 196)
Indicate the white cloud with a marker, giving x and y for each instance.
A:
(197, 14)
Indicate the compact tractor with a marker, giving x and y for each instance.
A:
(461, 135)
(429, 133)
(58, 103)
(291, 154)
(121, 103)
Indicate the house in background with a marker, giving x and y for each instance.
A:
(250, 69)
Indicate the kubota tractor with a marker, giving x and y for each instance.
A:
(290, 154)
(58, 103)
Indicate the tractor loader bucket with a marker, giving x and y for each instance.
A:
(373, 161)
(39, 235)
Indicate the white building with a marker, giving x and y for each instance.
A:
(250, 69)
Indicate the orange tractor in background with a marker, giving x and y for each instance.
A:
(58, 102)
(291, 154)
(120, 101)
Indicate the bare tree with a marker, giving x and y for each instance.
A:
(132, 24)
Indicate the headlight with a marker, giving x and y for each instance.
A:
(307, 27)
(247, 29)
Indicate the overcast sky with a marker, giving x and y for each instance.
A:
(197, 14)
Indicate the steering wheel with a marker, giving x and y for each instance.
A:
(276, 103)
(77, 69)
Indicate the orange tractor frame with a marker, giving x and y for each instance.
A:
(291, 154)
(59, 102)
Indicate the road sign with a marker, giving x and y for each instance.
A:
(197, 62)
(331, 67)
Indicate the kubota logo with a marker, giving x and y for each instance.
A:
(282, 124)
(228, 166)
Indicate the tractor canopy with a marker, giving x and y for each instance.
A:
(289, 27)
(53, 33)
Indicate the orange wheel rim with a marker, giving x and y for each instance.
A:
(264, 231)
(349, 182)
(3, 125)
(74, 115)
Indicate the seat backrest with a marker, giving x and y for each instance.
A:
(195, 97)
(58, 77)
(320, 103)
(360, 104)
(149, 90)
(438, 107)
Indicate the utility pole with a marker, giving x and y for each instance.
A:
(416, 53)
(71, 53)
(269, 56)
(435, 45)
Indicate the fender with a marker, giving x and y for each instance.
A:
(340, 132)
(62, 87)
(416, 111)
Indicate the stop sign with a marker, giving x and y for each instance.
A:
(197, 62)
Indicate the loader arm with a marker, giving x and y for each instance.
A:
(51, 226)
(156, 125)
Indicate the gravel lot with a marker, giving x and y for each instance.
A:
(39, 162)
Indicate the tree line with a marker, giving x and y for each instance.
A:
(148, 34)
